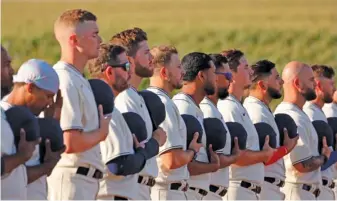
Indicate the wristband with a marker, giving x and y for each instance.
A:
(194, 153)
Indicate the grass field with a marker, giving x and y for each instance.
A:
(278, 30)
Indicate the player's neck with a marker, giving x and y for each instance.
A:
(159, 83)
(78, 61)
(236, 91)
(16, 98)
(258, 95)
(196, 93)
(214, 99)
(319, 102)
(295, 99)
(135, 81)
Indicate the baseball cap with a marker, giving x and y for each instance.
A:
(39, 73)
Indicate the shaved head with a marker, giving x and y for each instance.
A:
(299, 81)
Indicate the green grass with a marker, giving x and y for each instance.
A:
(278, 30)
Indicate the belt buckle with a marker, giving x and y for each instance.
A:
(316, 192)
(151, 182)
(185, 188)
(202, 192)
(223, 192)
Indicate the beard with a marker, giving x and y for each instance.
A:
(327, 98)
(273, 93)
(143, 71)
(223, 93)
(309, 95)
(209, 89)
(120, 84)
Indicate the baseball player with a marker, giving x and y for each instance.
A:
(220, 179)
(302, 164)
(330, 111)
(246, 175)
(135, 41)
(34, 87)
(325, 87)
(266, 86)
(199, 81)
(112, 66)
(77, 174)
(13, 170)
(174, 156)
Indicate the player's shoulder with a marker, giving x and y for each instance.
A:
(128, 94)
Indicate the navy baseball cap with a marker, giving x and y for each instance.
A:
(323, 130)
(192, 126)
(50, 129)
(237, 130)
(136, 125)
(103, 95)
(215, 133)
(263, 129)
(155, 107)
(20, 117)
(39, 73)
(332, 121)
(285, 121)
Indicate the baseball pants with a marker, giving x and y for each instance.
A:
(295, 192)
(14, 185)
(65, 184)
(37, 190)
(237, 192)
(193, 195)
(212, 196)
(326, 193)
(161, 191)
(271, 192)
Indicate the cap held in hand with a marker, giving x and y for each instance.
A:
(237, 130)
(103, 95)
(285, 121)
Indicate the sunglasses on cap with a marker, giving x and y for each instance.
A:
(125, 66)
(228, 75)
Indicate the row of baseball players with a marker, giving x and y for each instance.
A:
(103, 160)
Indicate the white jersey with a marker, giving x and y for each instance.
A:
(330, 110)
(233, 111)
(175, 129)
(79, 112)
(13, 184)
(260, 112)
(186, 105)
(305, 148)
(130, 101)
(220, 177)
(38, 188)
(118, 143)
(315, 113)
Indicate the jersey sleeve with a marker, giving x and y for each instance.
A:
(302, 151)
(72, 112)
(126, 102)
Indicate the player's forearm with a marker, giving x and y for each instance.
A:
(11, 162)
(151, 148)
(311, 164)
(176, 158)
(198, 168)
(226, 161)
(249, 157)
(81, 141)
(35, 172)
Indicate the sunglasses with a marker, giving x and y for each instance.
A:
(125, 66)
(227, 75)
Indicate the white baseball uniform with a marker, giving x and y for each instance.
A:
(330, 110)
(118, 143)
(233, 111)
(315, 113)
(37, 190)
(13, 184)
(186, 105)
(79, 112)
(175, 129)
(220, 178)
(130, 101)
(260, 112)
(304, 150)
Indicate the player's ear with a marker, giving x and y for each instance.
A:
(29, 87)
(109, 73)
(201, 76)
(296, 83)
(73, 40)
(163, 72)
(262, 84)
(318, 85)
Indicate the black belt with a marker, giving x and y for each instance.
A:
(150, 182)
(306, 187)
(200, 191)
(120, 198)
(177, 186)
(326, 182)
(249, 185)
(214, 189)
(84, 171)
(272, 181)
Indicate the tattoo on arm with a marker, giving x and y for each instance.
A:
(313, 163)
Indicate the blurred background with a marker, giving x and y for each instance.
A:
(278, 30)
